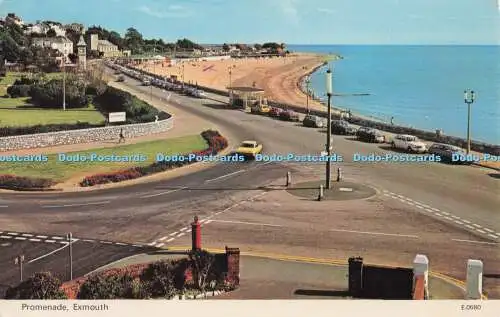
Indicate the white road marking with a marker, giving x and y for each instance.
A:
(224, 176)
(493, 236)
(466, 221)
(209, 221)
(376, 233)
(120, 243)
(456, 217)
(419, 207)
(345, 189)
(171, 239)
(4, 206)
(43, 237)
(459, 222)
(160, 245)
(385, 191)
(13, 233)
(50, 241)
(469, 226)
(478, 242)
(174, 233)
(163, 238)
(481, 231)
(445, 213)
(20, 238)
(476, 225)
(430, 210)
(6, 237)
(50, 253)
(63, 242)
(88, 240)
(247, 223)
(152, 243)
(387, 195)
(58, 238)
(27, 235)
(489, 230)
(439, 215)
(435, 209)
(448, 218)
(78, 205)
(35, 240)
(183, 229)
(180, 235)
(424, 205)
(137, 245)
(106, 242)
(163, 193)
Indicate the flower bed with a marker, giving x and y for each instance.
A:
(24, 183)
(216, 143)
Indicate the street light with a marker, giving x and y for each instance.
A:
(308, 81)
(329, 92)
(69, 236)
(19, 260)
(64, 82)
(469, 97)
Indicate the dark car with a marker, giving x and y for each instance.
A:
(446, 152)
(342, 127)
(370, 135)
(120, 78)
(313, 122)
(275, 112)
(289, 115)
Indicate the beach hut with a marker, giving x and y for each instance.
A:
(245, 97)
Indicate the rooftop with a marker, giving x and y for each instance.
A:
(246, 89)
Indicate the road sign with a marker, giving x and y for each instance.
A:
(117, 117)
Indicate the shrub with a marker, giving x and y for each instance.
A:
(109, 286)
(17, 91)
(159, 279)
(18, 182)
(216, 143)
(40, 286)
(50, 94)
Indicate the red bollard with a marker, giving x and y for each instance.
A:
(196, 234)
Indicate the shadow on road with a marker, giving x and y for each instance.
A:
(494, 175)
(218, 106)
(313, 292)
(265, 188)
(492, 275)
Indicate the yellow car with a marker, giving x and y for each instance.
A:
(249, 149)
(260, 109)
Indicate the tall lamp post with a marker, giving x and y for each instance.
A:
(329, 92)
(469, 97)
(64, 81)
(308, 81)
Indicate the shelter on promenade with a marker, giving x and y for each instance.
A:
(245, 97)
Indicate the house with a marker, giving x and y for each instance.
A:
(61, 44)
(39, 28)
(12, 18)
(58, 28)
(105, 47)
(76, 27)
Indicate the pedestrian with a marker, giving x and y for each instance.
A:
(122, 137)
(392, 120)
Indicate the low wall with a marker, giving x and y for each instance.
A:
(84, 135)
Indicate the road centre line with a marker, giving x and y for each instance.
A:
(20, 238)
(489, 230)
(42, 237)
(35, 240)
(478, 242)
(476, 225)
(493, 236)
(174, 233)
(163, 193)
(224, 176)
(4, 206)
(78, 205)
(171, 239)
(160, 245)
(180, 235)
(163, 238)
(27, 235)
(12, 233)
(6, 237)
(50, 241)
(376, 233)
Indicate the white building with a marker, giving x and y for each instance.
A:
(40, 28)
(61, 44)
(11, 18)
(105, 47)
(59, 29)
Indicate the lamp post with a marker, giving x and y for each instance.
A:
(329, 128)
(308, 81)
(69, 236)
(64, 82)
(19, 260)
(469, 97)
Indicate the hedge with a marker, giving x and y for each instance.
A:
(35, 129)
(19, 182)
(18, 91)
(216, 143)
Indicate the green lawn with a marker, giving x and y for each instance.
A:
(18, 112)
(61, 171)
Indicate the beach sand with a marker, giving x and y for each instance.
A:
(279, 76)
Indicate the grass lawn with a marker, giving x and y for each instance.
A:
(61, 171)
(18, 112)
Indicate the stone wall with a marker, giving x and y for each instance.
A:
(84, 135)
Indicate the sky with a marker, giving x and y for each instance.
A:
(290, 21)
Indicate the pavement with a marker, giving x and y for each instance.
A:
(449, 213)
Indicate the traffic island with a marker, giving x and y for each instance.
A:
(339, 190)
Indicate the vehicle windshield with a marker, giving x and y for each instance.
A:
(250, 145)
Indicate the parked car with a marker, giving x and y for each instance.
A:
(275, 112)
(313, 122)
(409, 143)
(249, 149)
(120, 78)
(146, 82)
(199, 94)
(447, 151)
(343, 127)
(260, 109)
(370, 135)
(289, 115)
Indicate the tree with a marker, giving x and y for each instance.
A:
(73, 57)
(50, 94)
(108, 287)
(258, 47)
(74, 37)
(40, 286)
(51, 33)
(226, 47)
(203, 264)
(134, 40)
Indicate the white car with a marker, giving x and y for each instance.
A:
(409, 143)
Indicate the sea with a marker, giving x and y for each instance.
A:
(417, 86)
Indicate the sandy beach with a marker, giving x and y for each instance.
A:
(279, 77)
